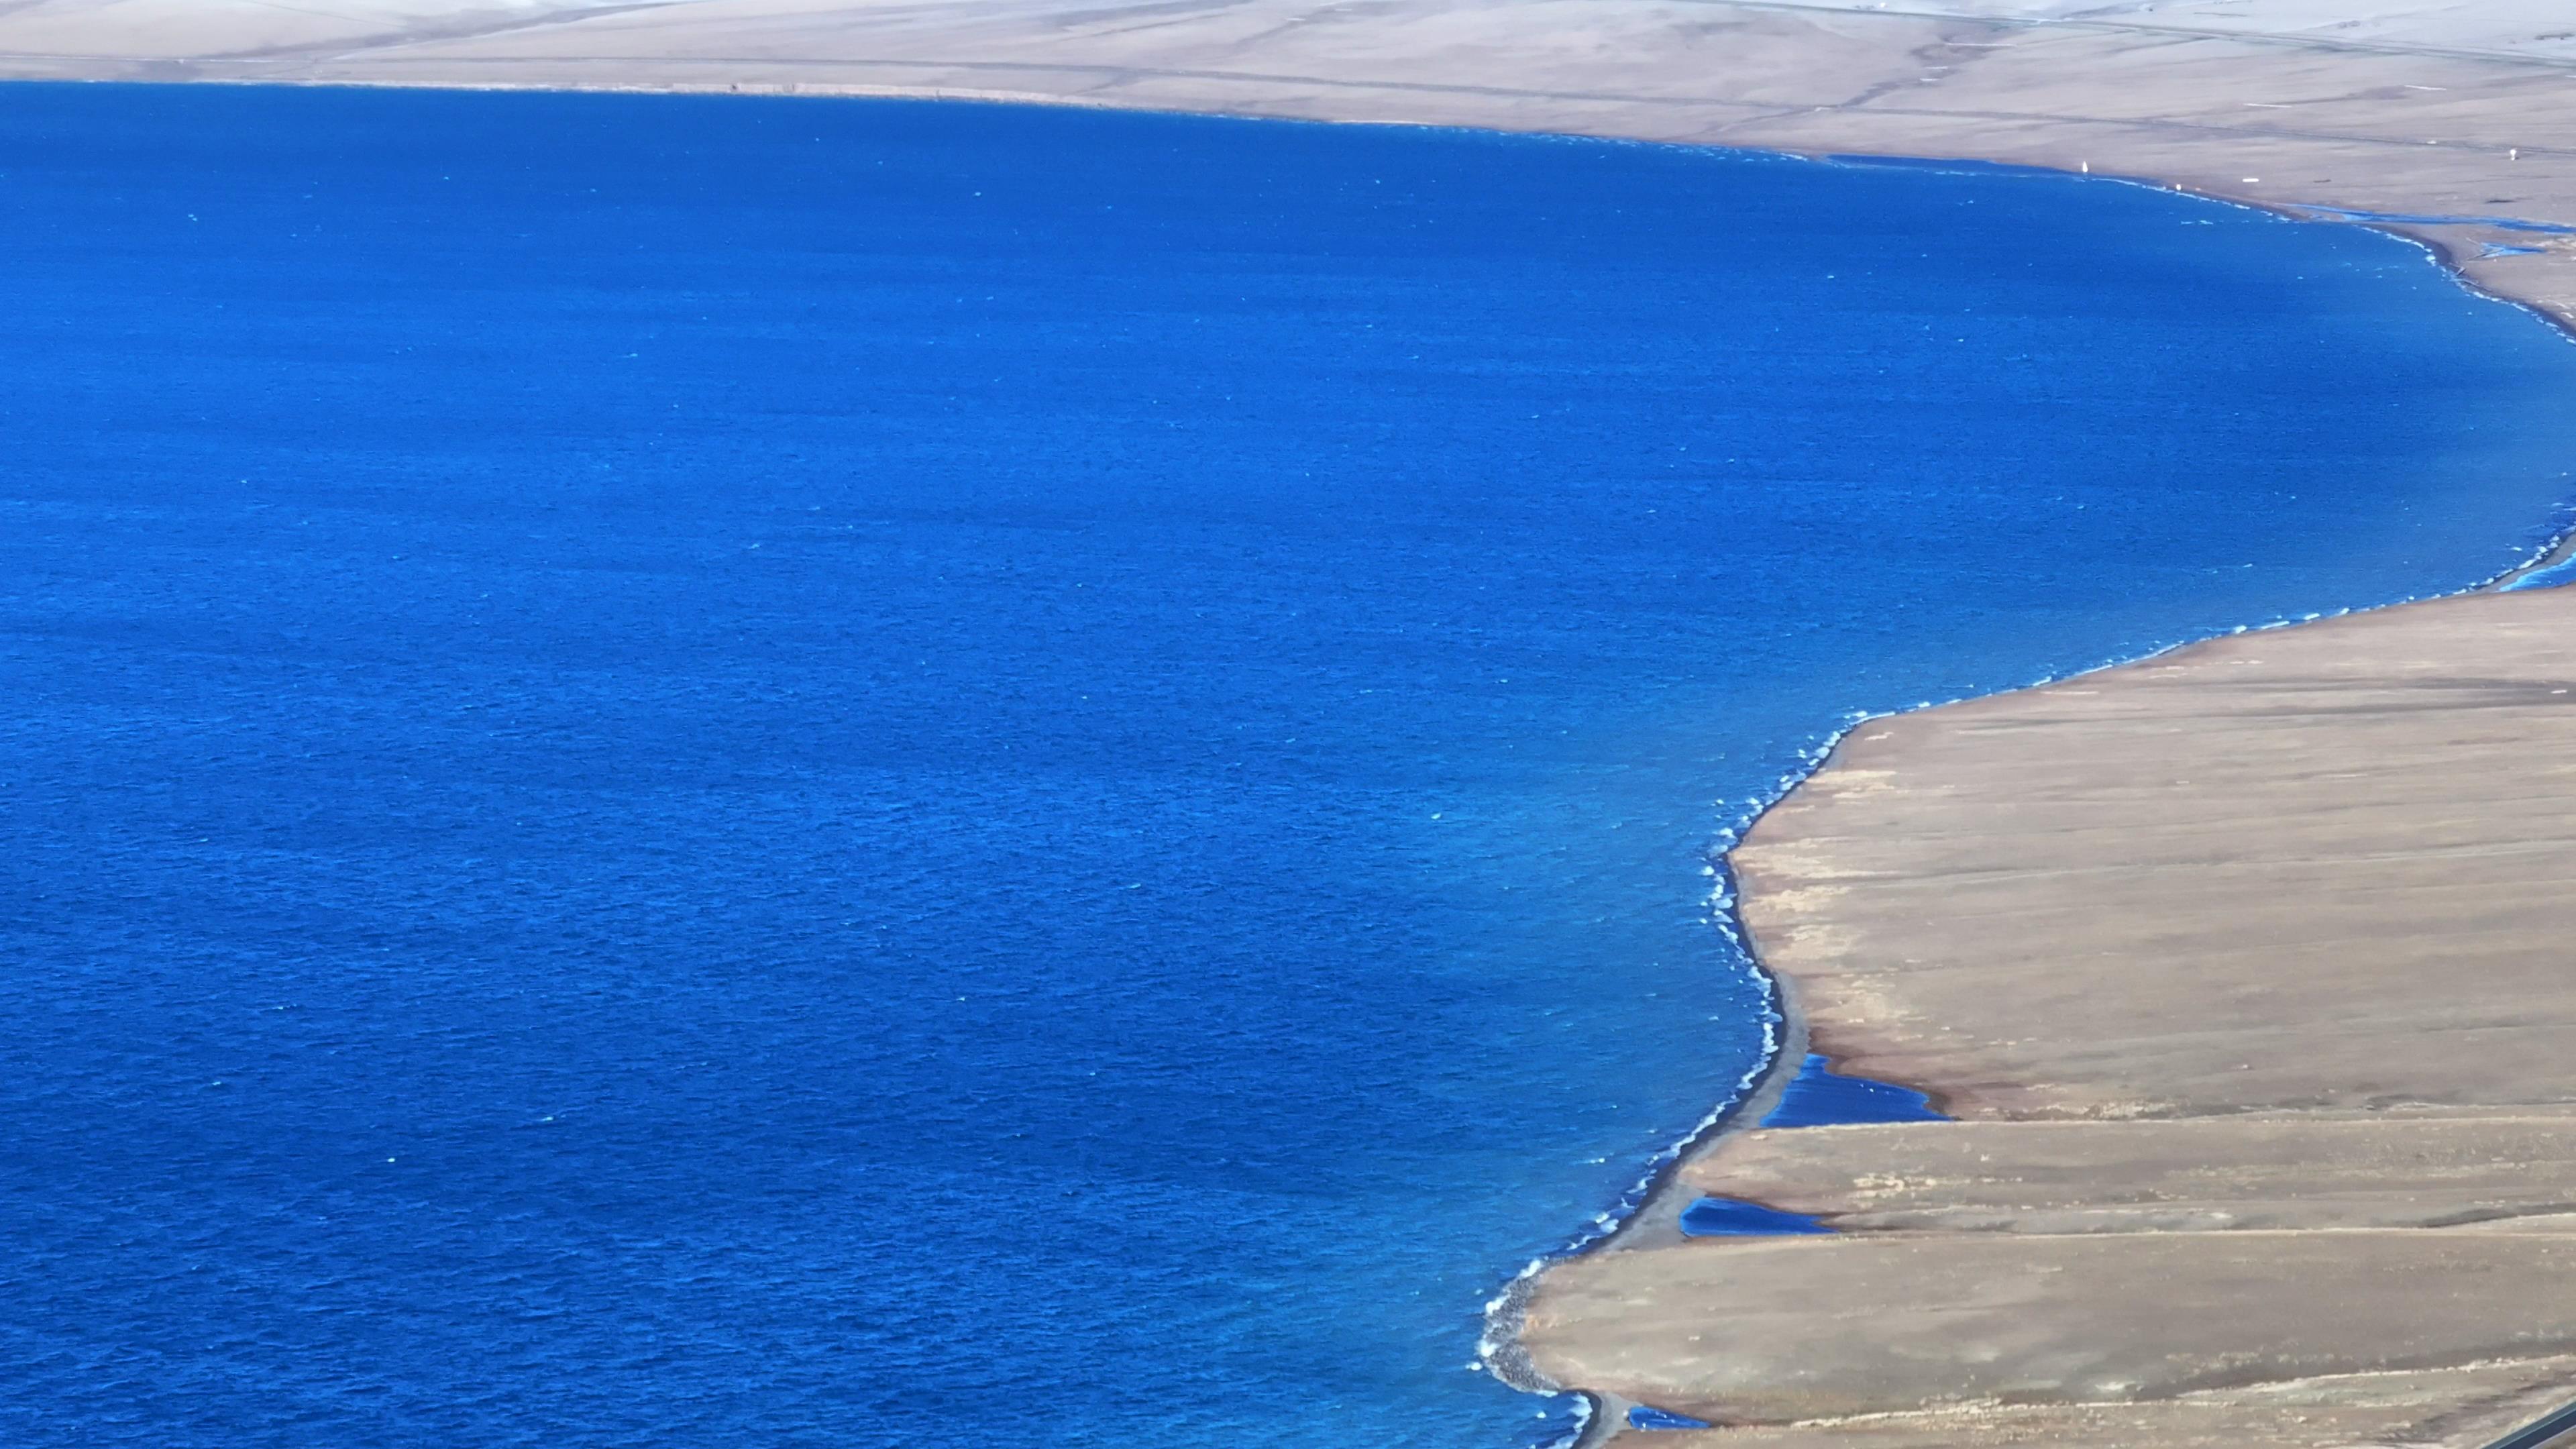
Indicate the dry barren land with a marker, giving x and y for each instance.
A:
(2249, 972)
(2459, 109)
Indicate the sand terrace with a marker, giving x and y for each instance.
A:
(2250, 973)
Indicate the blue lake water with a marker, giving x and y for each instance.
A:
(1820, 1096)
(705, 772)
(1726, 1217)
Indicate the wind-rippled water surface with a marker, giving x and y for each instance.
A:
(707, 773)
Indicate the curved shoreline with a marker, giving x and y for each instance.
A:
(2439, 117)
(1652, 1207)
(1651, 79)
(2422, 656)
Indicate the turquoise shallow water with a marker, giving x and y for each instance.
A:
(706, 772)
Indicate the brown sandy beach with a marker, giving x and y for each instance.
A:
(2248, 971)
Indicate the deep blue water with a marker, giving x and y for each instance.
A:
(701, 772)
(1727, 1217)
(1819, 1096)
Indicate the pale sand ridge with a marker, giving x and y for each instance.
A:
(2248, 969)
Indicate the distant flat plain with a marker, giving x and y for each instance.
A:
(2412, 108)
(2246, 970)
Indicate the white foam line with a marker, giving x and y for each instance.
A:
(1498, 1347)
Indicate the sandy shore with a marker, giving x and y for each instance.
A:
(2432, 108)
(2247, 970)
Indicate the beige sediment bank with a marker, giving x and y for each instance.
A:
(2250, 974)
(2428, 107)
(2249, 971)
